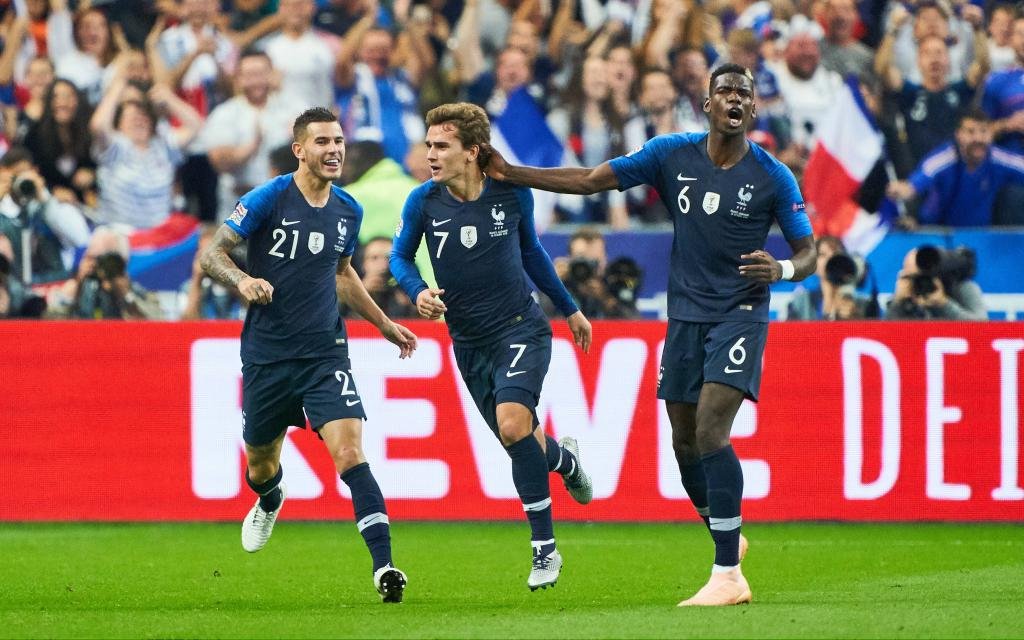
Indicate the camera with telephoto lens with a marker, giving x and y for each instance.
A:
(581, 269)
(24, 189)
(623, 278)
(951, 267)
(844, 272)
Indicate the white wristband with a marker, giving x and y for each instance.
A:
(788, 270)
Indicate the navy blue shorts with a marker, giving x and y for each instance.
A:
(697, 352)
(510, 369)
(274, 395)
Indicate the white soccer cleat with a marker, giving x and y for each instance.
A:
(259, 524)
(390, 583)
(545, 570)
(580, 488)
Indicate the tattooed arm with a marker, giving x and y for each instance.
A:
(218, 265)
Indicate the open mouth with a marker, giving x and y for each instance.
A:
(332, 164)
(735, 115)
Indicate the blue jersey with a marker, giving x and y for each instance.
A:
(481, 251)
(296, 248)
(956, 196)
(1003, 97)
(719, 215)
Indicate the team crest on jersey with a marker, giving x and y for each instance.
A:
(711, 202)
(743, 197)
(499, 216)
(238, 213)
(316, 242)
(468, 236)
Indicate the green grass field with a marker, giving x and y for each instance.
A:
(469, 581)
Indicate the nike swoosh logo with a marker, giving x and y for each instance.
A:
(683, 178)
(438, 223)
(729, 370)
(352, 403)
(509, 374)
(285, 223)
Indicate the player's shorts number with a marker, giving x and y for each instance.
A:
(444, 236)
(345, 379)
(522, 349)
(280, 235)
(737, 353)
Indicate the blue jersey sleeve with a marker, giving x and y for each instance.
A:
(789, 204)
(407, 241)
(254, 207)
(643, 165)
(536, 260)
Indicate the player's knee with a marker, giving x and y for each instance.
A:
(512, 431)
(261, 470)
(686, 449)
(346, 457)
(711, 439)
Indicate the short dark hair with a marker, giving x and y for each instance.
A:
(15, 155)
(283, 160)
(586, 233)
(309, 116)
(730, 67)
(255, 53)
(973, 113)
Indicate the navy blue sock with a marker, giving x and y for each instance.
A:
(725, 491)
(560, 459)
(371, 514)
(696, 485)
(269, 491)
(530, 475)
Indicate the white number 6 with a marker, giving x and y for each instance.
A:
(737, 353)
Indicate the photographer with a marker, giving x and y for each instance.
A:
(374, 269)
(34, 221)
(601, 289)
(937, 284)
(839, 274)
(101, 289)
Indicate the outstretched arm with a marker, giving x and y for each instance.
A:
(560, 180)
(217, 264)
(352, 292)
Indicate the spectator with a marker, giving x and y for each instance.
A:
(338, 16)
(1000, 31)
(372, 265)
(924, 292)
(836, 297)
(807, 87)
(690, 76)
(56, 229)
(675, 24)
(622, 80)
(101, 289)
(930, 110)
(200, 58)
(87, 64)
(960, 181)
(932, 18)
(592, 130)
(379, 98)
(137, 153)
(1003, 99)
(380, 185)
(240, 133)
(416, 164)
(772, 117)
(43, 31)
(61, 144)
(840, 50)
(304, 58)
(659, 102)
(30, 96)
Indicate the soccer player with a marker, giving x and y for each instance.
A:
(481, 238)
(301, 232)
(724, 193)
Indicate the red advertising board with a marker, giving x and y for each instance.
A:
(857, 421)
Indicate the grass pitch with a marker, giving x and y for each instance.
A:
(469, 581)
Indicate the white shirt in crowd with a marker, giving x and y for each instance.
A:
(807, 101)
(136, 185)
(234, 123)
(306, 65)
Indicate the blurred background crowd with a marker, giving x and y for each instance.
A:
(129, 128)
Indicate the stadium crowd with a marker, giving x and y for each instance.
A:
(126, 116)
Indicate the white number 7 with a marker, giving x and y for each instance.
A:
(444, 236)
(522, 348)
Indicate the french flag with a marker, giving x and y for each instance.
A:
(849, 145)
(162, 256)
(523, 137)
